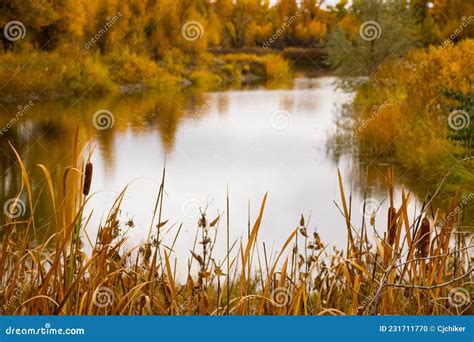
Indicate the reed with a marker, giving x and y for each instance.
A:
(423, 265)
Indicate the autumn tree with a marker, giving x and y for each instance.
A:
(372, 32)
(312, 23)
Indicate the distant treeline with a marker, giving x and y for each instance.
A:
(153, 27)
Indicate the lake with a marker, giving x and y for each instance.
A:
(249, 141)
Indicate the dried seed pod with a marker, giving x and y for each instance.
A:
(213, 223)
(87, 179)
(424, 240)
(302, 221)
(392, 225)
(198, 258)
(303, 232)
(205, 241)
(202, 222)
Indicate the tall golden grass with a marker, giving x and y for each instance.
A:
(417, 267)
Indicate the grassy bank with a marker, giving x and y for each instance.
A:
(418, 112)
(416, 266)
(46, 75)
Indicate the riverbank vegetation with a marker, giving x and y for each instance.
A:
(411, 68)
(44, 75)
(417, 112)
(418, 265)
(371, 33)
(92, 47)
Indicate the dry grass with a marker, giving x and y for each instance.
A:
(417, 267)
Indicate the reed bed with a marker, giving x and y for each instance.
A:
(419, 266)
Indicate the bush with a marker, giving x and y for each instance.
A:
(404, 112)
(46, 74)
(263, 67)
(132, 69)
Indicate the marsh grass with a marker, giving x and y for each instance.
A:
(417, 267)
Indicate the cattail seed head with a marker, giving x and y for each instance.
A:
(87, 179)
(392, 225)
(424, 241)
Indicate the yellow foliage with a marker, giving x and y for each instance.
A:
(402, 111)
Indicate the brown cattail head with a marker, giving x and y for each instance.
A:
(392, 225)
(87, 179)
(424, 240)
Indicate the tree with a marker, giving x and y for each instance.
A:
(375, 30)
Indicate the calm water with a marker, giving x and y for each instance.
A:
(249, 141)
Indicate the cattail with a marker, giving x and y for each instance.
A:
(87, 179)
(392, 225)
(424, 240)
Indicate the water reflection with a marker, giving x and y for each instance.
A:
(45, 134)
